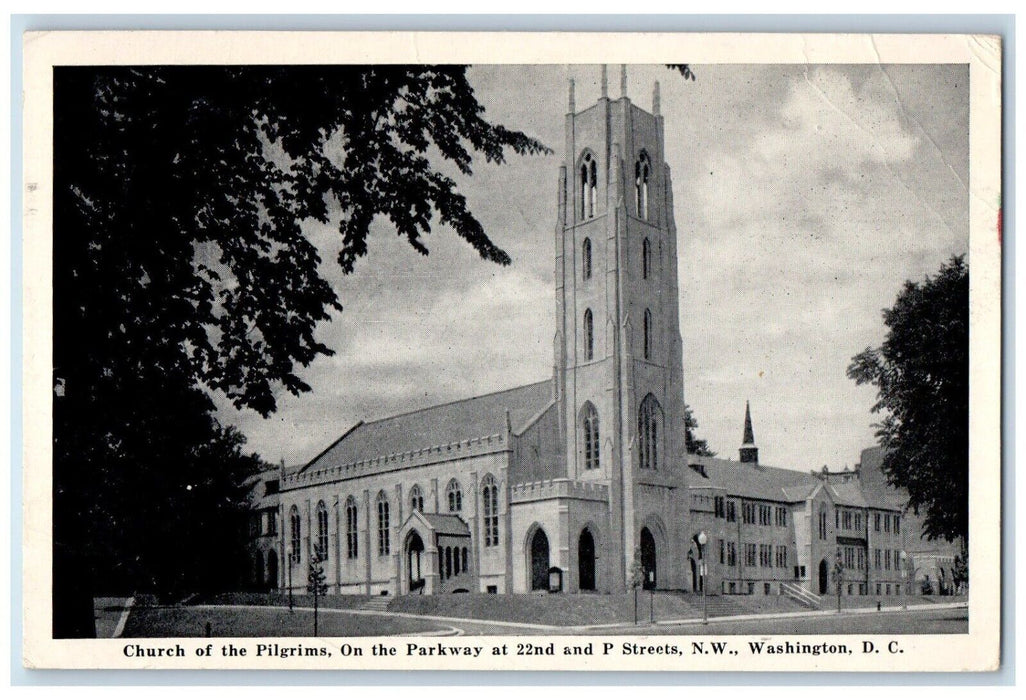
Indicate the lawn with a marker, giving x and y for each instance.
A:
(270, 622)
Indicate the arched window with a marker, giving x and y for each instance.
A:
(642, 169)
(589, 336)
(586, 259)
(589, 186)
(295, 533)
(647, 332)
(448, 562)
(650, 418)
(454, 496)
(590, 435)
(416, 499)
(646, 259)
(465, 568)
(322, 532)
(352, 538)
(384, 537)
(490, 498)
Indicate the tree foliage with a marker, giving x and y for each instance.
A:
(694, 445)
(181, 267)
(922, 375)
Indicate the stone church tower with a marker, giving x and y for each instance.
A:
(618, 357)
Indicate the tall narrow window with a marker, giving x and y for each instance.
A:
(322, 532)
(648, 334)
(416, 499)
(642, 169)
(589, 186)
(295, 532)
(586, 259)
(646, 259)
(454, 495)
(650, 418)
(589, 336)
(384, 537)
(352, 538)
(590, 435)
(490, 499)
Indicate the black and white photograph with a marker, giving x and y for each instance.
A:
(666, 358)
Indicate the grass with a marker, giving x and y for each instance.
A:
(303, 600)
(272, 622)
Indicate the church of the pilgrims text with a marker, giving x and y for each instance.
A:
(576, 480)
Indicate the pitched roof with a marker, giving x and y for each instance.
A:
(753, 481)
(475, 417)
(848, 494)
(445, 524)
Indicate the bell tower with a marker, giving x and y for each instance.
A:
(618, 352)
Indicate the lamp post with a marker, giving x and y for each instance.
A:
(651, 596)
(702, 539)
(289, 557)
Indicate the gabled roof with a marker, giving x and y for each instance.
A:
(848, 494)
(446, 524)
(447, 423)
(753, 481)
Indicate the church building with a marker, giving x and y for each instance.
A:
(576, 476)
(582, 482)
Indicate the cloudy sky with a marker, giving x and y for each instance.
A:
(805, 196)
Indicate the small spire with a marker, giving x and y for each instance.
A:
(623, 80)
(749, 437)
(749, 452)
(655, 99)
(605, 82)
(573, 106)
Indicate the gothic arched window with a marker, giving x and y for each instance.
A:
(586, 259)
(650, 418)
(589, 186)
(642, 169)
(384, 537)
(295, 533)
(646, 259)
(647, 333)
(322, 532)
(589, 336)
(454, 495)
(352, 538)
(490, 498)
(590, 435)
(416, 499)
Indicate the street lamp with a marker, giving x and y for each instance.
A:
(289, 556)
(702, 539)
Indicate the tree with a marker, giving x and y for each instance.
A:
(181, 267)
(694, 445)
(922, 375)
(960, 571)
(838, 575)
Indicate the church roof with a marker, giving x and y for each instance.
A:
(753, 481)
(444, 524)
(443, 424)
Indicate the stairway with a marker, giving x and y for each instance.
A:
(800, 595)
(378, 603)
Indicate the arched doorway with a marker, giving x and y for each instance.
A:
(694, 575)
(586, 560)
(823, 577)
(648, 559)
(414, 555)
(258, 572)
(539, 561)
(272, 569)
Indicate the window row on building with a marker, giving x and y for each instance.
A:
(382, 509)
(587, 266)
(756, 555)
(650, 420)
(751, 513)
(886, 559)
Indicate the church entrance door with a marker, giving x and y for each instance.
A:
(823, 577)
(648, 559)
(272, 570)
(586, 560)
(414, 553)
(539, 561)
